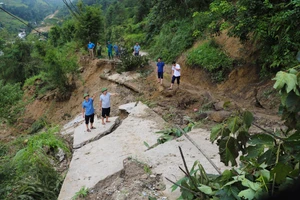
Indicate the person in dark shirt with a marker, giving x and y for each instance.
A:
(160, 71)
(109, 50)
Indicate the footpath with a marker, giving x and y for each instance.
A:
(100, 153)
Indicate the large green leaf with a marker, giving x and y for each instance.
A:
(281, 170)
(283, 78)
(228, 193)
(233, 124)
(215, 132)
(267, 156)
(293, 102)
(254, 151)
(253, 185)
(248, 118)
(247, 194)
(205, 189)
(264, 139)
(228, 150)
(243, 137)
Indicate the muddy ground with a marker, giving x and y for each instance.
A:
(198, 99)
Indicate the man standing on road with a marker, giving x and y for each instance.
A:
(136, 49)
(88, 111)
(105, 104)
(91, 49)
(109, 50)
(175, 74)
(160, 70)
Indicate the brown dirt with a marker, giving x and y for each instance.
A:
(135, 181)
(176, 106)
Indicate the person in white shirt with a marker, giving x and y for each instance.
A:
(175, 74)
(105, 104)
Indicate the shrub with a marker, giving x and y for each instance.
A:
(131, 39)
(174, 38)
(29, 173)
(10, 96)
(211, 58)
(130, 62)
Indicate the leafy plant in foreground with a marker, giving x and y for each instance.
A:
(269, 161)
(171, 133)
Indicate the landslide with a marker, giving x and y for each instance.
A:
(243, 89)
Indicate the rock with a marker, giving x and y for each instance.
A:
(60, 155)
(127, 107)
(160, 88)
(219, 105)
(106, 71)
(158, 110)
(201, 116)
(144, 176)
(81, 69)
(219, 116)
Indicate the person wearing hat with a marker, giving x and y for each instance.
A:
(105, 104)
(88, 111)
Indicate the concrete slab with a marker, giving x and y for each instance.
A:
(124, 77)
(82, 137)
(69, 127)
(166, 158)
(99, 159)
(128, 107)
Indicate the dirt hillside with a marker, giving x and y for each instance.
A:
(242, 89)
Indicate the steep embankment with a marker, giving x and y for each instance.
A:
(242, 89)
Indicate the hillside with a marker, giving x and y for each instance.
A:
(239, 90)
(30, 11)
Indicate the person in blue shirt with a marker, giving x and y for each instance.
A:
(160, 70)
(88, 111)
(109, 50)
(136, 49)
(116, 48)
(91, 49)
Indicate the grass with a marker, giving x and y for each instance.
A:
(26, 171)
(83, 192)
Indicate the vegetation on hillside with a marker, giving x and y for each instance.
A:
(27, 166)
(30, 11)
(268, 161)
(165, 29)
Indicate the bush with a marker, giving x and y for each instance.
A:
(59, 63)
(174, 38)
(130, 62)
(29, 173)
(10, 96)
(211, 58)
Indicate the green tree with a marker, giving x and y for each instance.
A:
(272, 25)
(143, 9)
(90, 24)
(59, 63)
(17, 64)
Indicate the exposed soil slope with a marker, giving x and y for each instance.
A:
(242, 89)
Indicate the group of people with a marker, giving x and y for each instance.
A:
(110, 48)
(88, 110)
(175, 72)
